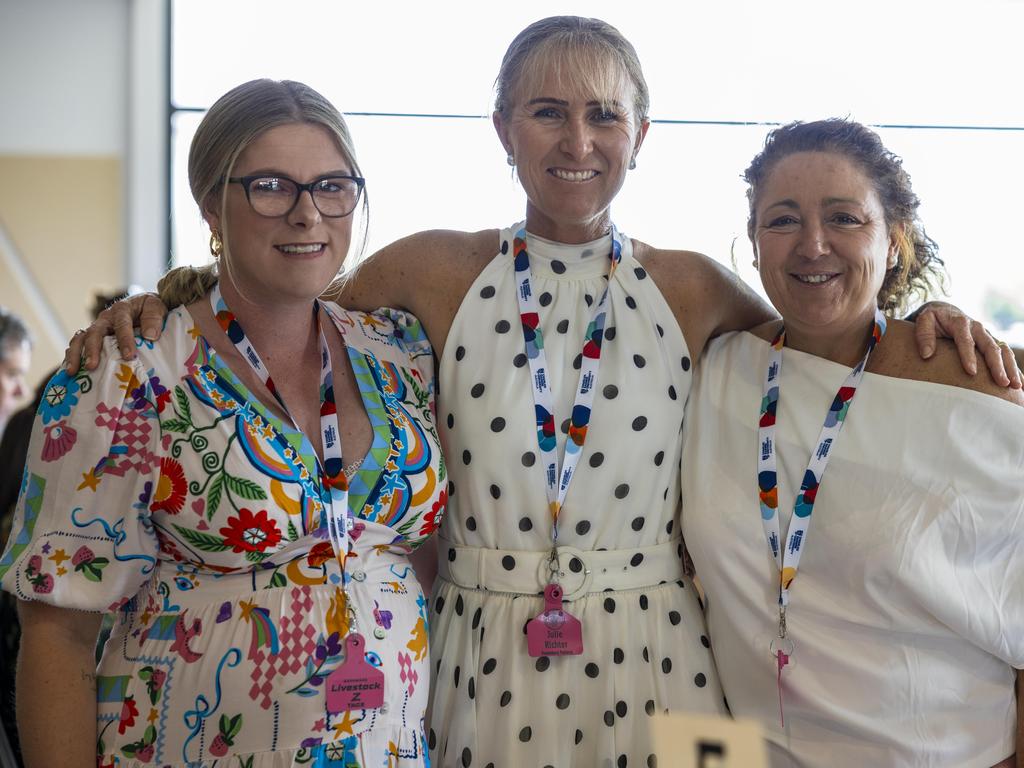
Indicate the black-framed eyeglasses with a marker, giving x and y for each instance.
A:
(274, 196)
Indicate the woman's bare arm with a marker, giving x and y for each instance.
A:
(56, 686)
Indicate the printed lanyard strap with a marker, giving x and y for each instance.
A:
(788, 560)
(543, 398)
(338, 516)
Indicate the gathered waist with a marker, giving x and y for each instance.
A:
(579, 572)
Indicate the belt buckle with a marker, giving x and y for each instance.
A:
(575, 583)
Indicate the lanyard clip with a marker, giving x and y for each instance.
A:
(782, 622)
(553, 571)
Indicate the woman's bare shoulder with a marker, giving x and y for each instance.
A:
(900, 358)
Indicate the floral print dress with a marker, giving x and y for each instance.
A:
(160, 489)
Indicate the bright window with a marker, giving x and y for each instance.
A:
(416, 80)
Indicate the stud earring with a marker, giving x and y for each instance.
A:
(511, 160)
(216, 244)
(632, 163)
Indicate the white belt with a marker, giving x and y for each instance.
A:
(579, 572)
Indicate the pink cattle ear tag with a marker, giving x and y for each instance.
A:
(555, 631)
(355, 684)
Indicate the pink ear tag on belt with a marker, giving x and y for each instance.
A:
(555, 632)
(355, 684)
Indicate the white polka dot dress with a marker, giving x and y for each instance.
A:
(645, 644)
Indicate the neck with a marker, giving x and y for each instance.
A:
(273, 325)
(572, 233)
(846, 347)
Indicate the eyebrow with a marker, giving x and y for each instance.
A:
(792, 204)
(276, 173)
(563, 103)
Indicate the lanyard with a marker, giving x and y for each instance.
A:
(767, 480)
(558, 480)
(339, 517)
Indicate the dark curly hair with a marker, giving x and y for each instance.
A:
(918, 268)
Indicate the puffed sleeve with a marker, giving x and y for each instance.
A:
(82, 536)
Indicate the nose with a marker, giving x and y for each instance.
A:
(577, 139)
(813, 241)
(304, 213)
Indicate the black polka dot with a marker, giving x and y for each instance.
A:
(466, 457)
(639, 423)
(582, 527)
(577, 361)
(460, 605)
(565, 427)
(439, 603)
(506, 697)
(685, 363)
(631, 302)
(646, 655)
(579, 735)
(497, 424)
(557, 267)
(674, 618)
(563, 326)
(611, 392)
(525, 524)
(451, 555)
(672, 393)
(467, 758)
(661, 331)
(471, 688)
(508, 562)
(609, 718)
(477, 390)
(669, 525)
(609, 604)
(638, 523)
(658, 458)
(592, 670)
(490, 665)
(640, 273)
(618, 656)
(609, 333)
(649, 707)
(622, 490)
(451, 420)
(458, 673)
(471, 523)
(643, 602)
(526, 734)
(495, 491)
(636, 559)
(504, 246)
(519, 360)
(588, 298)
(621, 762)
(700, 680)
(652, 761)
(432, 739)
(460, 352)
(487, 292)
(562, 702)
(544, 299)
(476, 617)
(529, 459)
(704, 641)
(596, 459)
(502, 326)
(639, 361)
(542, 663)
(575, 565)
(451, 488)
(666, 665)
(620, 709)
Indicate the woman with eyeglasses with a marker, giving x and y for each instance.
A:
(562, 619)
(244, 494)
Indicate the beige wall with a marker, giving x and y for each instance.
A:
(62, 217)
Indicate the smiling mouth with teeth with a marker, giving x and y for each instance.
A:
(301, 250)
(815, 279)
(567, 175)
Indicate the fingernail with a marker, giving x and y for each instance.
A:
(973, 369)
(929, 351)
(90, 361)
(149, 334)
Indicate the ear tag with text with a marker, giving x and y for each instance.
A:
(555, 631)
(355, 684)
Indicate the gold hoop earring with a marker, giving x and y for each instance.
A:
(216, 244)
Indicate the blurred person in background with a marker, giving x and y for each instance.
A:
(15, 354)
